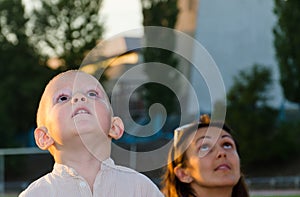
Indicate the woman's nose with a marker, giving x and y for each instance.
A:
(78, 97)
(221, 153)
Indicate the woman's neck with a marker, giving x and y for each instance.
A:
(213, 191)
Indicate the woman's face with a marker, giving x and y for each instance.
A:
(212, 159)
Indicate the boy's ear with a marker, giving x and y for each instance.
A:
(182, 174)
(117, 128)
(42, 138)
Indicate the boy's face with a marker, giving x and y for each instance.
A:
(75, 104)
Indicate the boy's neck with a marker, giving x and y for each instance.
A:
(84, 155)
(81, 151)
(80, 156)
(85, 164)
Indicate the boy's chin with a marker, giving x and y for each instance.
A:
(99, 148)
(84, 126)
(93, 134)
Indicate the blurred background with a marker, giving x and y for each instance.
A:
(255, 43)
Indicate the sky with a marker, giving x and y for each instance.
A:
(121, 16)
(118, 16)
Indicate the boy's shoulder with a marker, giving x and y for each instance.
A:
(129, 178)
(112, 180)
(37, 187)
(128, 181)
(123, 170)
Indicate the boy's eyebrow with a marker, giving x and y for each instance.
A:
(96, 87)
(58, 91)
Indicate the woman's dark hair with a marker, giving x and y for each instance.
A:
(171, 185)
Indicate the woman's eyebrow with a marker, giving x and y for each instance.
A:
(226, 135)
(209, 137)
(202, 137)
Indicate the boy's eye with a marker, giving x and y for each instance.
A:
(62, 98)
(92, 94)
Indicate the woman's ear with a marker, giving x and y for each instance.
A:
(42, 138)
(117, 128)
(182, 174)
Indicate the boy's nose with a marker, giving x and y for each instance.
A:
(79, 97)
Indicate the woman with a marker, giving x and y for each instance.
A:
(204, 162)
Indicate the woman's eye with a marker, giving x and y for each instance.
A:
(227, 145)
(204, 148)
(62, 98)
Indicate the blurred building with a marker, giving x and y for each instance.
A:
(187, 18)
(238, 34)
(119, 54)
(117, 57)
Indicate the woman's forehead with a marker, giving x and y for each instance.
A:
(210, 132)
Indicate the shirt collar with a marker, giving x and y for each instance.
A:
(66, 171)
(63, 170)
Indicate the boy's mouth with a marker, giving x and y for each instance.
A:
(80, 111)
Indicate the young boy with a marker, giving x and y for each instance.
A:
(75, 124)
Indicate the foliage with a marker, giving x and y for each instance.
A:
(22, 78)
(250, 116)
(286, 140)
(162, 13)
(62, 29)
(66, 29)
(287, 45)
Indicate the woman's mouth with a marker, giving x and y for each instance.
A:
(223, 167)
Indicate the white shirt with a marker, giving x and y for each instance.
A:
(111, 181)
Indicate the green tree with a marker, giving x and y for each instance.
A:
(249, 114)
(22, 78)
(287, 45)
(162, 13)
(66, 30)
